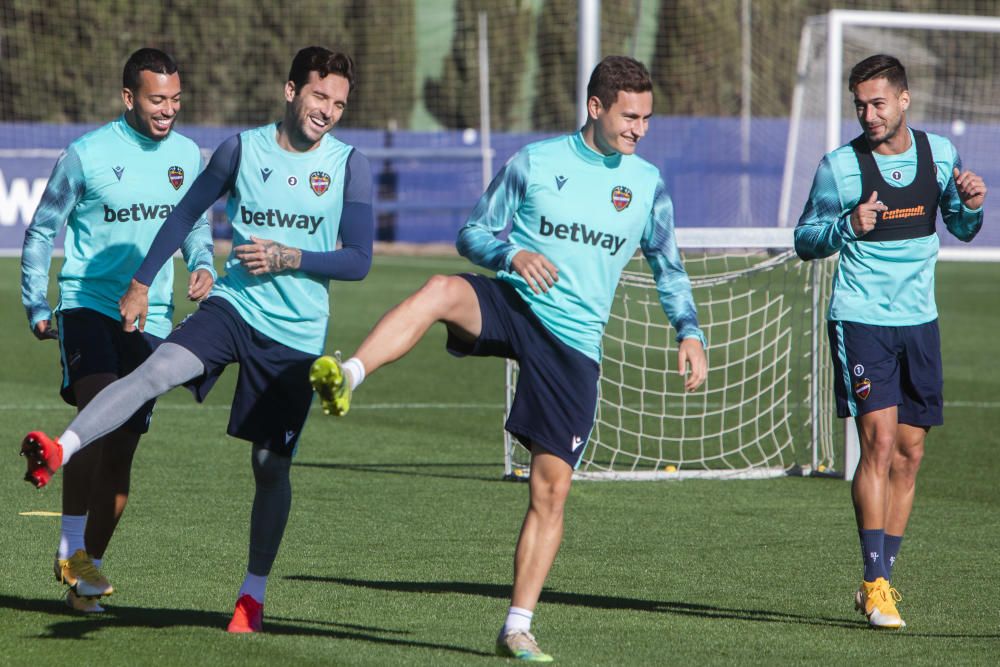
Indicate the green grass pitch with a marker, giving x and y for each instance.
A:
(400, 543)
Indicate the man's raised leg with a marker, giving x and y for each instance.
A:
(448, 299)
(169, 366)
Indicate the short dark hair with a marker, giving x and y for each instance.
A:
(146, 60)
(322, 61)
(616, 73)
(879, 66)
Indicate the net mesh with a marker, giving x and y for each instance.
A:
(766, 406)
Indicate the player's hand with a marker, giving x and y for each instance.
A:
(865, 215)
(134, 306)
(200, 284)
(44, 330)
(691, 360)
(971, 188)
(262, 256)
(536, 269)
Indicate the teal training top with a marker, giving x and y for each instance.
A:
(888, 283)
(295, 199)
(587, 213)
(112, 188)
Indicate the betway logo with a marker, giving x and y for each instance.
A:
(19, 201)
(137, 212)
(580, 233)
(272, 217)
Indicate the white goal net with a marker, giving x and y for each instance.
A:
(766, 407)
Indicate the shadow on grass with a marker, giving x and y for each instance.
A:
(414, 469)
(621, 603)
(75, 625)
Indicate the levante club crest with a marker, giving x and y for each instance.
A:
(319, 182)
(621, 197)
(176, 176)
(862, 388)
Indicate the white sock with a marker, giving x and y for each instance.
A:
(70, 445)
(253, 585)
(355, 371)
(71, 535)
(517, 619)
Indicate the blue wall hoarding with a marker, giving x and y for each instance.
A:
(426, 199)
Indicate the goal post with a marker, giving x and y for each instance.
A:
(766, 407)
(953, 67)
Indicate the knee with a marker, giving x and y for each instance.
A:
(879, 449)
(270, 470)
(907, 459)
(438, 295)
(549, 496)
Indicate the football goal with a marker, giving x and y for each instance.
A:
(766, 407)
(953, 67)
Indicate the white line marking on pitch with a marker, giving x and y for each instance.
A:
(369, 406)
(40, 513)
(982, 405)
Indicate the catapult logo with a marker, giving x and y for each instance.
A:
(580, 233)
(137, 212)
(273, 217)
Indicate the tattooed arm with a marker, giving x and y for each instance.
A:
(266, 256)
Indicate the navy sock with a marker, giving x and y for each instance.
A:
(892, 543)
(873, 554)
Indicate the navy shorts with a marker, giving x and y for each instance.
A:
(556, 395)
(273, 394)
(91, 343)
(876, 367)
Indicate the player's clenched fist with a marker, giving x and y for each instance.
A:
(971, 188)
(536, 269)
(865, 215)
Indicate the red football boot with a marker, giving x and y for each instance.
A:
(44, 456)
(248, 616)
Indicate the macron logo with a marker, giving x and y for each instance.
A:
(580, 233)
(272, 217)
(560, 181)
(289, 436)
(577, 441)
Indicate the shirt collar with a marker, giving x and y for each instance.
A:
(136, 137)
(588, 154)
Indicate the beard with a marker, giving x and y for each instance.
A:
(890, 133)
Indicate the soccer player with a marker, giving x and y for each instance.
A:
(875, 200)
(112, 188)
(580, 204)
(292, 190)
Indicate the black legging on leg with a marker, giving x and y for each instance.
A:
(272, 502)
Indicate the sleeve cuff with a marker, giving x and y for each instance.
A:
(38, 316)
(509, 257)
(846, 230)
(698, 335)
(207, 267)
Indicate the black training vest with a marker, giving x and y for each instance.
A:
(912, 210)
